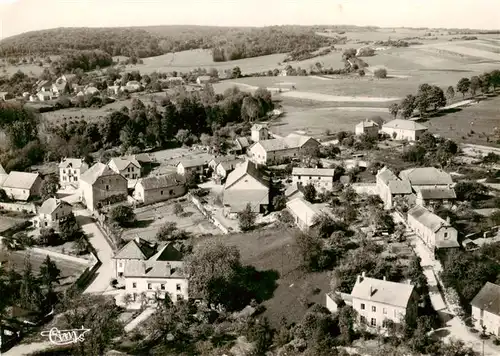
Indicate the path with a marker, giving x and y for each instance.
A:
(105, 273)
(27, 349)
(140, 318)
(453, 324)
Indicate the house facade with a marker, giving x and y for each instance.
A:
(70, 170)
(276, 151)
(389, 187)
(434, 231)
(245, 185)
(486, 309)
(404, 130)
(193, 166)
(227, 166)
(129, 168)
(21, 185)
(154, 189)
(367, 127)
(203, 79)
(135, 250)
(320, 178)
(100, 186)
(52, 212)
(259, 132)
(303, 212)
(434, 196)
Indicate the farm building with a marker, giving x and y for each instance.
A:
(367, 127)
(389, 187)
(227, 166)
(427, 177)
(404, 129)
(192, 166)
(154, 189)
(240, 145)
(21, 185)
(277, 150)
(304, 213)
(432, 196)
(260, 132)
(320, 178)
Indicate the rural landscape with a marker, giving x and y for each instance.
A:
(324, 190)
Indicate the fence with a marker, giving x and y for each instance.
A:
(113, 237)
(207, 214)
(21, 207)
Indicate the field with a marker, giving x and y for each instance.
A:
(274, 249)
(152, 217)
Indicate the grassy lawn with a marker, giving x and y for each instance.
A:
(274, 249)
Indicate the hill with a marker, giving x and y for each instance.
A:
(227, 43)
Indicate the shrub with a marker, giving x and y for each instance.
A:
(246, 219)
(380, 73)
(123, 215)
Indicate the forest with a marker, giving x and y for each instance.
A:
(227, 43)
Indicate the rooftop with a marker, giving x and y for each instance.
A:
(404, 125)
(152, 269)
(137, 249)
(320, 172)
(367, 123)
(258, 127)
(400, 187)
(21, 180)
(488, 298)
(163, 181)
(378, 290)
(427, 218)
(91, 175)
(122, 163)
(386, 175)
(196, 162)
(50, 205)
(426, 176)
(72, 163)
(436, 193)
(304, 210)
(243, 169)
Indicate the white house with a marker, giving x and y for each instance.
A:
(389, 186)
(133, 85)
(127, 167)
(431, 196)
(486, 309)
(277, 150)
(367, 127)
(154, 189)
(192, 166)
(22, 185)
(44, 95)
(70, 170)
(320, 178)
(227, 166)
(203, 79)
(304, 213)
(136, 249)
(259, 132)
(404, 129)
(433, 230)
(52, 212)
(378, 301)
(427, 177)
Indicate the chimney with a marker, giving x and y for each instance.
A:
(363, 274)
(137, 239)
(371, 290)
(448, 220)
(358, 279)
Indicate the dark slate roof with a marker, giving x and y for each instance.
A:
(488, 298)
(140, 250)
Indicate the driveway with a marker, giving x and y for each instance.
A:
(106, 272)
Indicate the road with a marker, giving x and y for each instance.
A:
(453, 324)
(27, 349)
(106, 271)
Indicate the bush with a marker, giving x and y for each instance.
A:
(246, 219)
(123, 215)
(380, 73)
(178, 209)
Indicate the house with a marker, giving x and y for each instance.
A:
(133, 85)
(154, 189)
(44, 86)
(367, 127)
(173, 81)
(404, 129)
(127, 167)
(212, 164)
(192, 166)
(433, 230)
(227, 166)
(432, 196)
(5, 95)
(320, 178)
(278, 150)
(52, 212)
(427, 177)
(259, 132)
(240, 145)
(304, 213)
(486, 309)
(62, 85)
(293, 191)
(33, 98)
(44, 95)
(70, 170)
(114, 89)
(161, 275)
(91, 91)
(203, 79)
(378, 302)
(100, 185)
(245, 185)
(389, 187)
(135, 250)
(21, 185)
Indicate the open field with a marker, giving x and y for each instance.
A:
(25, 68)
(153, 217)
(274, 249)
(8, 222)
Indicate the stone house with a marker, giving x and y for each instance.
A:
(320, 178)
(52, 212)
(227, 166)
(153, 189)
(192, 166)
(21, 185)
(433, 196)
(70, 170)
(304, 213)
(127, 167)
(486, 309)
(278, 150)
(389, 187)
(100, 186)
(259, 132)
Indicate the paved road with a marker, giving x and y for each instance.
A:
(106, 272)
(140, 318)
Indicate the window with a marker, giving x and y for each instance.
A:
(161, 192)
(374, 308)
(298, 177)
(171, 192)
(362, 306)
(56, 216)
(107, 187)
(162, 286)
(373, 322)
(64, 171)
(362, 320)
(120, 264)
(178, 287)
(385, 311)
(179, 297)
(385, 323)
(150, 286)
(134, 285)
(445, 235)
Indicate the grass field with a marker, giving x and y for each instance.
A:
(152, 217)
(275, 249)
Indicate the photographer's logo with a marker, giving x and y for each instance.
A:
(65, 337)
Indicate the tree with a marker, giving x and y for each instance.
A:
(310, 249)
(167, 231)
(470, 191)
(380, 73)
(450, 93)
(495, 79)
(48, 237)
(212, 265)
(475, 84)
(261, 334)
(122, 214)
(69, 228)
(49, 273)
(279, 202)
(236, 73)
(246, 218)
(394, 110)
(463, 86)
(485, 80)
(310, 193)
(50, 186)
(178, 209)
(428, 141)
(347, 318)
(407, 106)
(437, 97)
